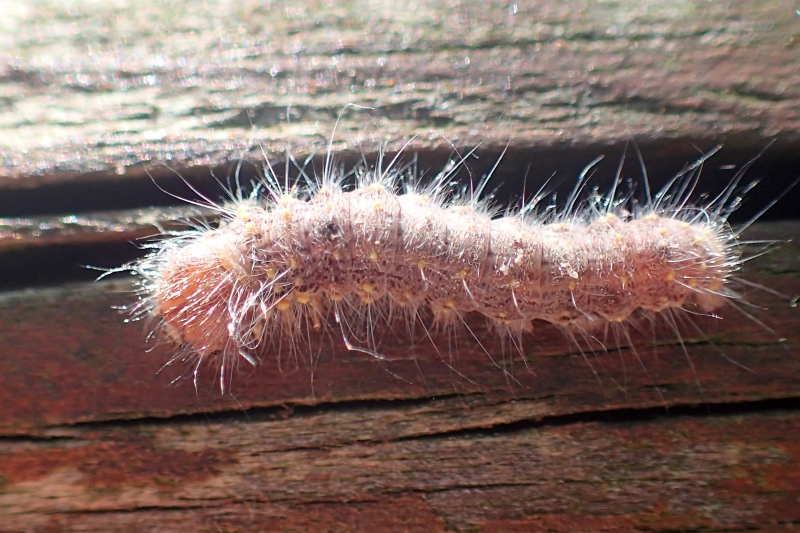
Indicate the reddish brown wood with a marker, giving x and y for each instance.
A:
(85, 364)
(663, 472)
(358, 446)
(101, 104)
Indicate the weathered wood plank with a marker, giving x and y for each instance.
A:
(92, 228)
(275, 471)
(74, 360)
(173, 83)
(103, 104)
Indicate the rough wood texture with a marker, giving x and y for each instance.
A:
(96, 440)
(103, 87)
(95, 98)
(674, 472)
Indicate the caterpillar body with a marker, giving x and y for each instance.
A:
(348, 258)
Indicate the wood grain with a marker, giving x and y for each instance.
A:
(182, 83)
(112, 113)
(702, 439)
(88, 365)
(660, 472)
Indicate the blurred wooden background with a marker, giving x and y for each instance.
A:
(102, 104)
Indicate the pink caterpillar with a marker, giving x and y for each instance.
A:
(349, 259)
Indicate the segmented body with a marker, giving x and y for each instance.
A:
(275, 268)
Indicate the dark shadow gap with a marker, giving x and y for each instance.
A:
(603, 416)
(521, 169)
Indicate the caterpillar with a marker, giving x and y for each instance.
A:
(353, 252)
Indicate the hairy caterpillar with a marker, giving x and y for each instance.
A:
(352, 258)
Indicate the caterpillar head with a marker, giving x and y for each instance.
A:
(195, 290)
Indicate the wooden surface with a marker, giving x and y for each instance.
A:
(93, 87)
(102, 105)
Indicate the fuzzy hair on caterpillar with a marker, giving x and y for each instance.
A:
(360, 255)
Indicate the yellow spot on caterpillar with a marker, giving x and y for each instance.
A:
(368, 287)
(292, 263)
(286, 214)
(566, 318)
(250, 227)
(298, 281)
(618, 237)
(611, 216)
(685, 225)
(572, 285)
(303, 297)
(692, 283)
(243, 213)
(421, 264)
(624, 279)
(378, 205)
(502, 315)
(336, 255)
(257, 329)
(271, 272)
(283, 304)
(450, 304)
(671, 275)
(715, 285)
(462, 274)
(620, 318)
(373, 256)
(376, 187)
(367, 298)
(651, 216)
(335, 295)
(663, 232)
